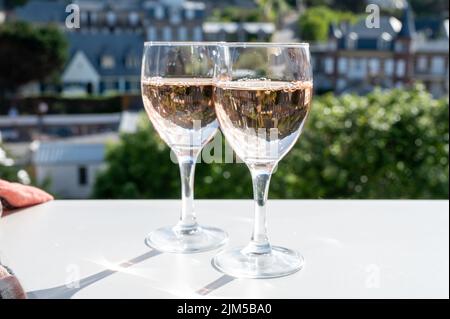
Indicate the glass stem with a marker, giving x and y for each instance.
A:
(187, 221)
(259, 243)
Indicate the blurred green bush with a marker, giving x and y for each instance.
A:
(315, 22)
(7, 169)
(388, 144)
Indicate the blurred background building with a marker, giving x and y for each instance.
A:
(105, 51)
(58, 128)
(357, 58)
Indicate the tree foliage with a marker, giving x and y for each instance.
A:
(430, 7)
(29, 53)
(273, 9)
(11, 4)
(265, 10)
(420, 7)
(7, 170)
(237, 14)
(315, 22)
(388, 144)
(385, 145)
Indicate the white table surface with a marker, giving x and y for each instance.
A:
(352, 249)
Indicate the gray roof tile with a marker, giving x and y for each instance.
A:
(42, 11)
(64, 153)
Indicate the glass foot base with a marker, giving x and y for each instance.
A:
(280, 262)
(171, 240)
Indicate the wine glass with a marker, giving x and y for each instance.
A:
(262, 97)
(177, 91)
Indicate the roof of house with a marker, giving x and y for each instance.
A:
(42, 11)
(390, 25)
(51, 153)
(109, 3)
(119, 46)
(366, 37)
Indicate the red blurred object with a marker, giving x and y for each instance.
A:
(15, 195)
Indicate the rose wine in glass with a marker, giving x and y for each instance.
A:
(262, 98)
(177, 92)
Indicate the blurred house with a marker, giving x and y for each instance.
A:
(65, 150)
(103, 62)
(238, 32)
(105, 52)
(174, 20)
(166, 20)
(69, 167)
(398, 53)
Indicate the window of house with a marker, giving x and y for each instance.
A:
(132, 61)
(111, 18)
(357, 68)
(374, 66)
(389, 67)
(190, 14)
(175, 16)
(159, 12)
(422, 63)
(359, 65)
(438, 65)
(108, 61)
(182, 33)
(198, 33)
(82, 176)
(401, 68)
(151, 34)
(329, 65)
(133, 19)
(342, 65)
(167, 34)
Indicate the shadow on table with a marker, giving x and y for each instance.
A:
(66, 292)
(216, 284)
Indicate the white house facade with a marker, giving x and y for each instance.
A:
(70, 168)
(80, 76)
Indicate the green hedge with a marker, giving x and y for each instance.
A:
(391, 144)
